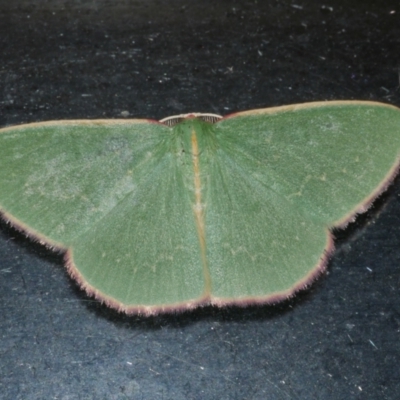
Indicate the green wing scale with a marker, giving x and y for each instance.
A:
(156, 217)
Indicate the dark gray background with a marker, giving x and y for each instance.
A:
(97, 59)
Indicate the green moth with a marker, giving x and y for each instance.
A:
(198, 209)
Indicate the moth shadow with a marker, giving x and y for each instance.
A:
(357, 228)
(178, 320)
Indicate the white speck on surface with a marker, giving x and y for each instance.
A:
(5, 270)
(351, 340)
(372, 343)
